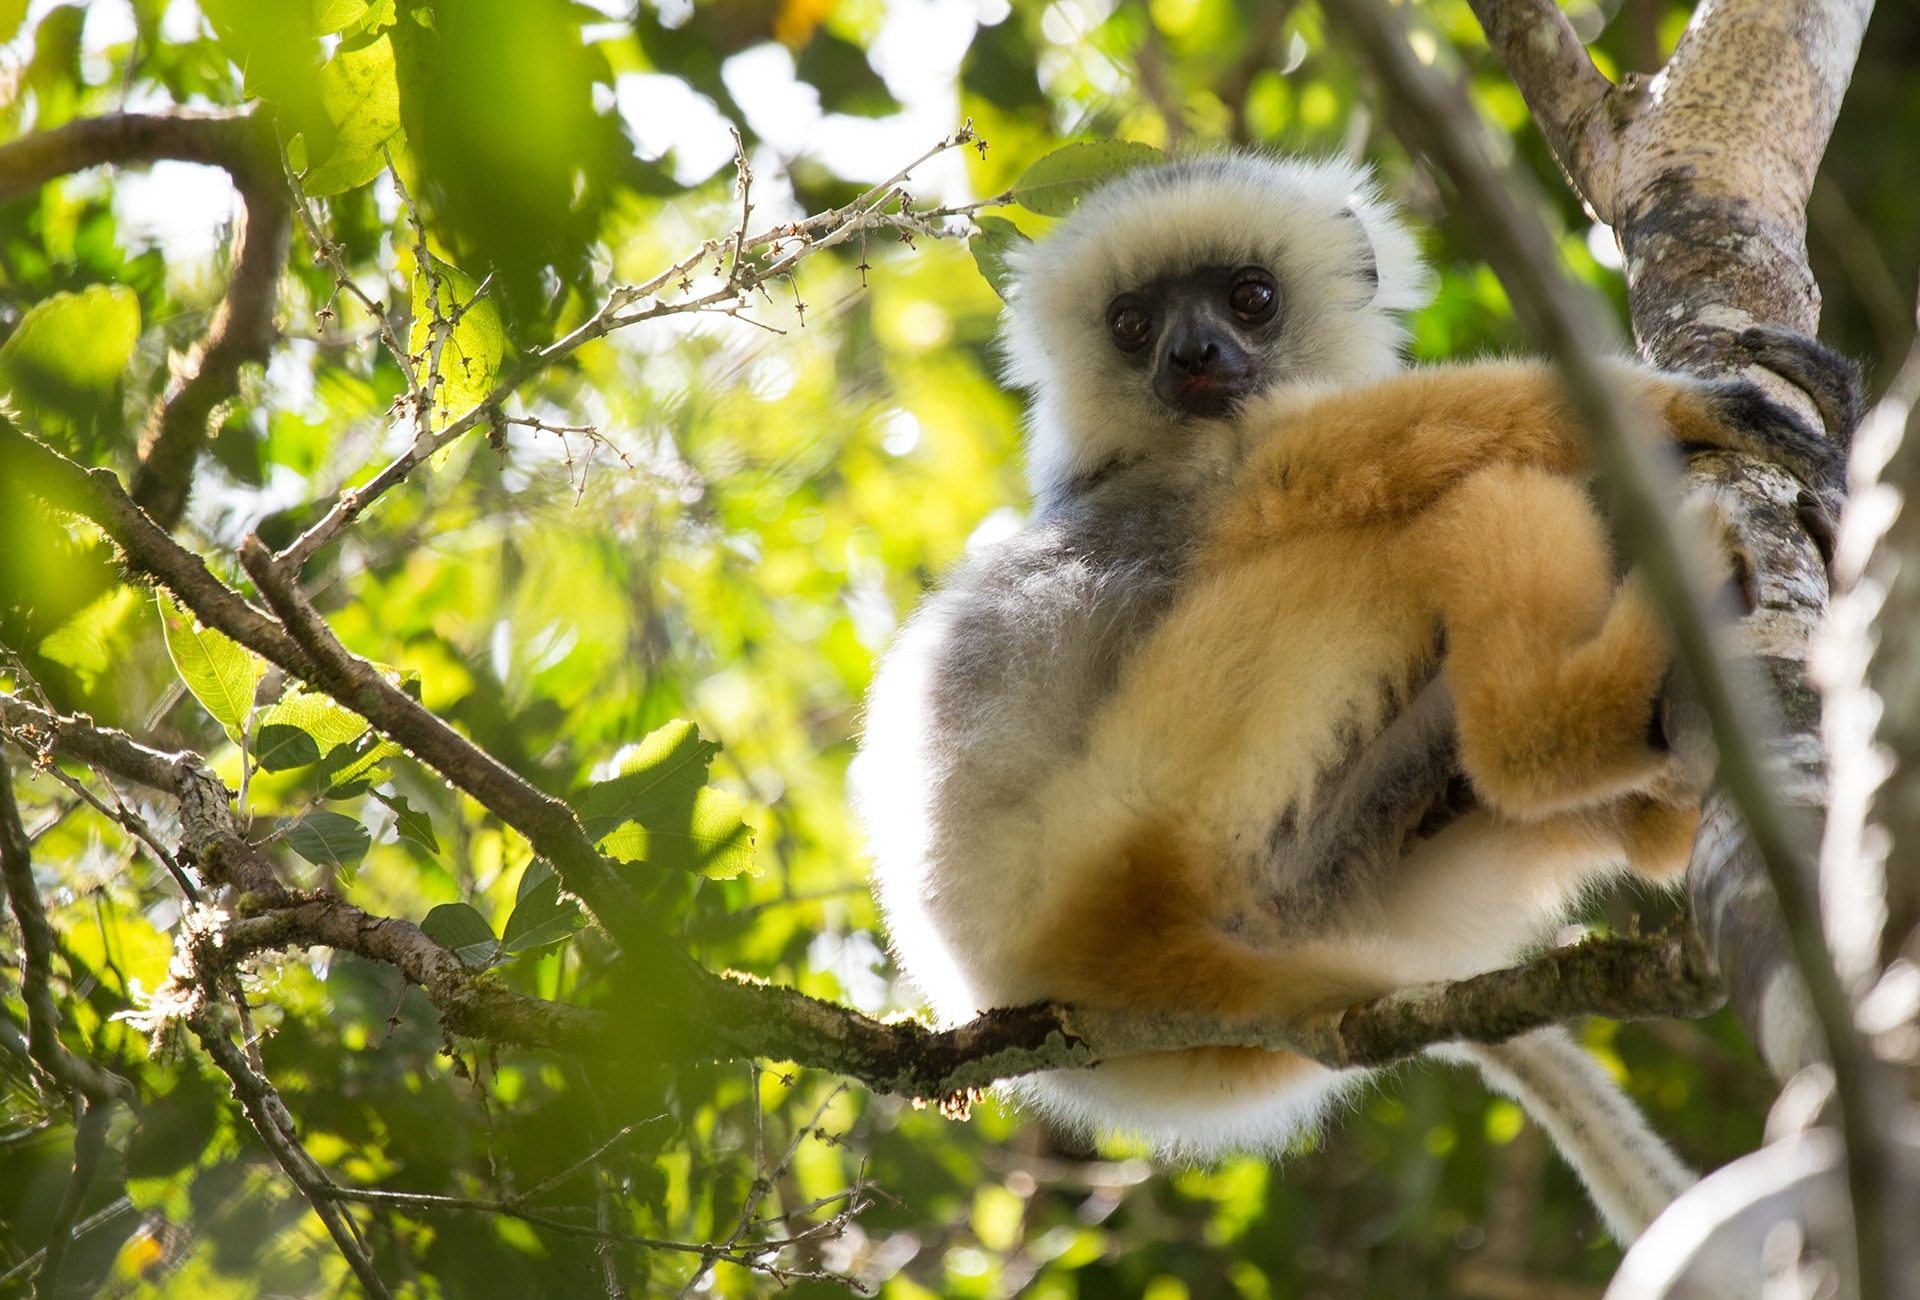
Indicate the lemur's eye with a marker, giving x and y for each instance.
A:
(1129, 323)
(1254, 295)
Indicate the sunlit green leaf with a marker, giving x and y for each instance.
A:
(86, 643)
(330, 16)
(467, 332)
(662, 774)
(219, 671)
(362, 99)
(69, 352)
(465, 933)
(319, 716)
(327, 839)
(347, 770)
(706, 835)
(1054, 186)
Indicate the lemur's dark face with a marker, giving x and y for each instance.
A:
(1202, 336)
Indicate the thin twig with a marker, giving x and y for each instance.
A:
(79, 1076)
(750, 1256)
(132, 823)
(274, 1123)
(105, 1214)
(89, 1144)
(332, 254)
(587, 1161)
(627, 305)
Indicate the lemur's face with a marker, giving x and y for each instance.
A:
(1145, 321)
(1202, 338)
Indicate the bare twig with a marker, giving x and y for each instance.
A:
(627, 305)
(753, 1255)
(89, 1144)
(335, 257)
(77, 1075)
(105, 1214)
(132, 823)
(587, 1161)
(439, 323)
(271, 1120)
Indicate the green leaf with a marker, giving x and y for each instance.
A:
(707, 836)
(319, 716)
(540, 917)
(1054, 186)
(538, 872)
(996, 239)
(86, 642)
(68, 353)
(219, 671)
(470, 358)
(347, 770)
(281, 748)
(660, 777)
(327, 839)
(12, 14)
(412, 824)
(463, 932)
(362, 100)
(330, 16)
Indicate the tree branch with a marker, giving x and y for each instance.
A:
(79, 1076)
(1575, 104)
(242, 330)
(1621, 978)
(272, 1121)
(89, 1144)
(228, 142)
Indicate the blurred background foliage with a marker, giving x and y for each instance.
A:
(757, 506)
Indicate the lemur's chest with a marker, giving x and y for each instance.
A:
(1263, 671)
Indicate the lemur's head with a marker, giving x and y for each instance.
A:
(1176, 292)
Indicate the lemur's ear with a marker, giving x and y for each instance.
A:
(1369, 269)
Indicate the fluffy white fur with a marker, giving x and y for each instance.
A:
(1346, 264)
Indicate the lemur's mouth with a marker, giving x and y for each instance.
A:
(1208, 395)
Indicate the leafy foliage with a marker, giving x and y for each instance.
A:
(690, 532)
